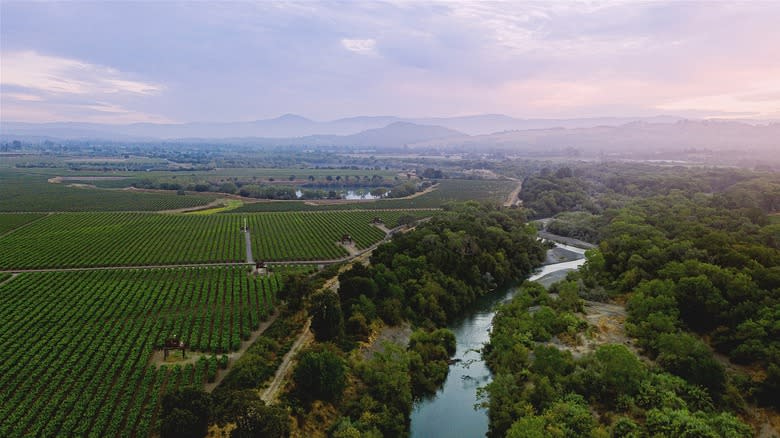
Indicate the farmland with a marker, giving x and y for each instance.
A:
(313, 235)
(9, 222)
(21, 192)
(78, 240)
(76, 345)
(122, 239)
(446, 191)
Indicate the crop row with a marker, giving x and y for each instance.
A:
(76, 346)
(9, 221)
(76, 240)
(122, 239)
(315, 236)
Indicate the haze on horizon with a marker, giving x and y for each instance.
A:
(124, 62)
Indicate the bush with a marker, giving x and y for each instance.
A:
(319, 375)
(185, 413)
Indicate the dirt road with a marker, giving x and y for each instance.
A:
(271, 392)
(513, 198)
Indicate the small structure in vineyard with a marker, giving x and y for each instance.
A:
(174, 343)
(261, 268)
(346, 239)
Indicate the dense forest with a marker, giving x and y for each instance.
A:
(696, 258)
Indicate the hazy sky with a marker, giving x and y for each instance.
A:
(218, 61)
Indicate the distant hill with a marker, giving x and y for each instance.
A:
(295, 126)
(636, 139)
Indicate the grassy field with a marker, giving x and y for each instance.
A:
(30, 193)
(75, 347)
(9, 222)
(447, 191)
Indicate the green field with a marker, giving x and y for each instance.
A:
(78, 240)
(448, 190)
(20, 192)
(9, 222)
(75, 347)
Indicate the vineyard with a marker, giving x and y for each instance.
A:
(313, 236)
(10, 221)
(77, 240)
(122, 239)
(75, 346)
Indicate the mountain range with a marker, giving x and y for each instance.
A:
(636, 137)
(292, 126)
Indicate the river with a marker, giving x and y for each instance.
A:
(450, 413)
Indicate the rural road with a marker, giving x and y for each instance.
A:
(513, 198)
(272, 391)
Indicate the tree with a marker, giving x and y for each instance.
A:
(319, 375)
(260, 421)
(529, 427)
(185, 412)
(296, 288)
(618, 372)
(691, 359)
(327, 319)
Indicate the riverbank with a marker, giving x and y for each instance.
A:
(458, 398)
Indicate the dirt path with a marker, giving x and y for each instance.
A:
(213, 204)
(24, 225)
(513, 198)
(7, 280)
(273, 389)
(192, 357)
(271, 392)
(249, 258)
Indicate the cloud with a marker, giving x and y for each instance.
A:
(360, 46)
(250, 60)
(60, 88)
(53, 74)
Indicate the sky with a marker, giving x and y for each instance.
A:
(124, 62)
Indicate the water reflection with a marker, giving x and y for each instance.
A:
(451, 411)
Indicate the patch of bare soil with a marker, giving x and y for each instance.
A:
(351, 248)
(397, 334)
(382, 227)
(607, 326)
